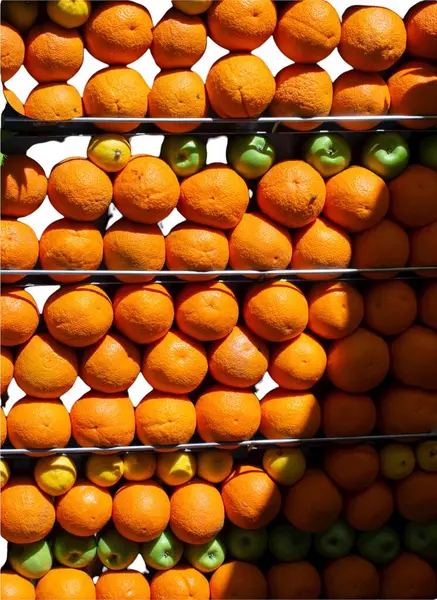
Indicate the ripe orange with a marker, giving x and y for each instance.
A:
(416, 497)
(176, 94)
(398, 413)
(20, 316)
(423, 251)
(412, 196)
(237, 579)
(370, 508)
(23, 186)
(6, 375)
(143, 313)
(65, 584)
(113, 585)
(197, 514)
(373, 38)
(84, 509)
(414, 356)
(352, 468)
(391, 307)
(291, 193)
(287, 414)
(15, 587)
(13, 100)
(227, 415)
(79, 190)
(3, 427)
(240, 359)
(294, 580)
(179, 582)
(408, 576)
(351, 577)
(103, 420)
(73, 245)
(53, 102)
(302, 91)
(179, 40)
(358, 362)
(78, 315)
(53, 53)
(216, 196)
(239, 86)
(19, 248)
(276, 311)
(251, 498)
(13, 51)
(421, 24)
(27, 514)
(346, 414)
(308, 31)
(116, 92)
(428, 305)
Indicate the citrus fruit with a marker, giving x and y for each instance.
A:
(401, 194)
(138, 466)
(397, 461)
(19, 248)
(22, 17)
(416, 496)
(6, 368)
(408, 576)
(104, 470)
(55, 475)
(426, 454)
(13, 101)
(353, 468)
(20, 316)
(390, 307)
(176, 468)
(23, 186)
(15, 587)
(180, 582)
(214, 465)
(397, 408)
(84, 509)
(346, 414)
(284, 465)
(3, 427)
(69, 13)
(288, 580)
(5, 473)
(238, 579)
(370, 508)
(65, 584)
(423, 250)
(53, 102)
(129, 583)
(428, 305)
(288, 414)
(420, 23)
(13, 51)
(351, 577)
(413, 356)
(110, 152)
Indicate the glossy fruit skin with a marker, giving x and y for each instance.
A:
(31, 560)
(206, 557)
(74, 551)
(329, 154)
(289, 544)
(115, 551)
(421, 538)
(335, 542)
(250, 155)
(247, 544)
(164, 552)
(428, 152)
(380, 547)
(386, 154)
(184, 154)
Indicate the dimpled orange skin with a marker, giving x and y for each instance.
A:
(428, 305)
(23, 186)
(288, 414)
(13, 51)
(371, 508)
(65, 584)
(179, 583)
(20, 316)
(15, 587)
(416, 497)
(390, 306)
(353, 468)
(237, 579)
(19, 248)
(421, 25)
(398, 410)
(84, 509)
(351, 577)
(113, 585)
(6, 371)
(13, 100)
(3, 427)
(414, 356)
(346, 414)
(294, 580)
(423, 249)
(53, 102)
(408, 576)
(412, 196)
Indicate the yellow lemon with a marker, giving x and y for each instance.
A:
(139, 466)
(55, 475)
(192, 7)
(175, 468)
(214, 465)
(4, 473)
(284, 465)
(426, 455)
(104, 469)
(69, 13)
(397, 461)
(109, 151)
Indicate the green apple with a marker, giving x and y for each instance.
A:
(185, 155)
(250, 155)
(380, 546)
(421, 538)
(115, 551)
(386, 154)
(247, 544)
(164, 552)
(289, 544)
(74, 551)
(328, 153)
(428, 151)
(30, 560)
(206, 557)
(335, 542)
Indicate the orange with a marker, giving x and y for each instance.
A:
(216, 196)
(416, 497)
(206, 311)
(53, 53)
(293, 580)
(428, 305)
(179, 583)
(70, 245)
(165, 419)
(227, 415)
(298, 364)
(12, 51)
(421, 24)
(302, 91)
(412, 196)
(313, 503)
(141, 511)
(13, 101)
(23, 186)
(237, 579)
(357, 93)
(308, 31)
(177, 94)
(3, 427)
(197, 514)
(84, 509)
(370, 508)
(116, 92)
(240, 85)
(352, 468)
(175, 363)
(6, 374)
(346, 414)
(287, 414)
(335, 309)
(192, 7)
(19, 316)
(146, 190)
(19, 248)
(372, 38)
(240, 359)
(398, 410)
(78, 315)
(192, 247)
(414, 357)
(276, 311)
(291, 193)
(408, 576)
(110, 365)
(15, 587)
(423, 251)
(384, 245)
(143, 313)
(321, 245)
(390, 306)
(103, 420)
(65, 584)
(118, 32)
(251, 498)
(53, 102)
(413, 92)
(45, 368)
(79, 190)
(351, 577)
(113, 585)
(358, 362)
(179, 40)
(241, 26)
(27, 514)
